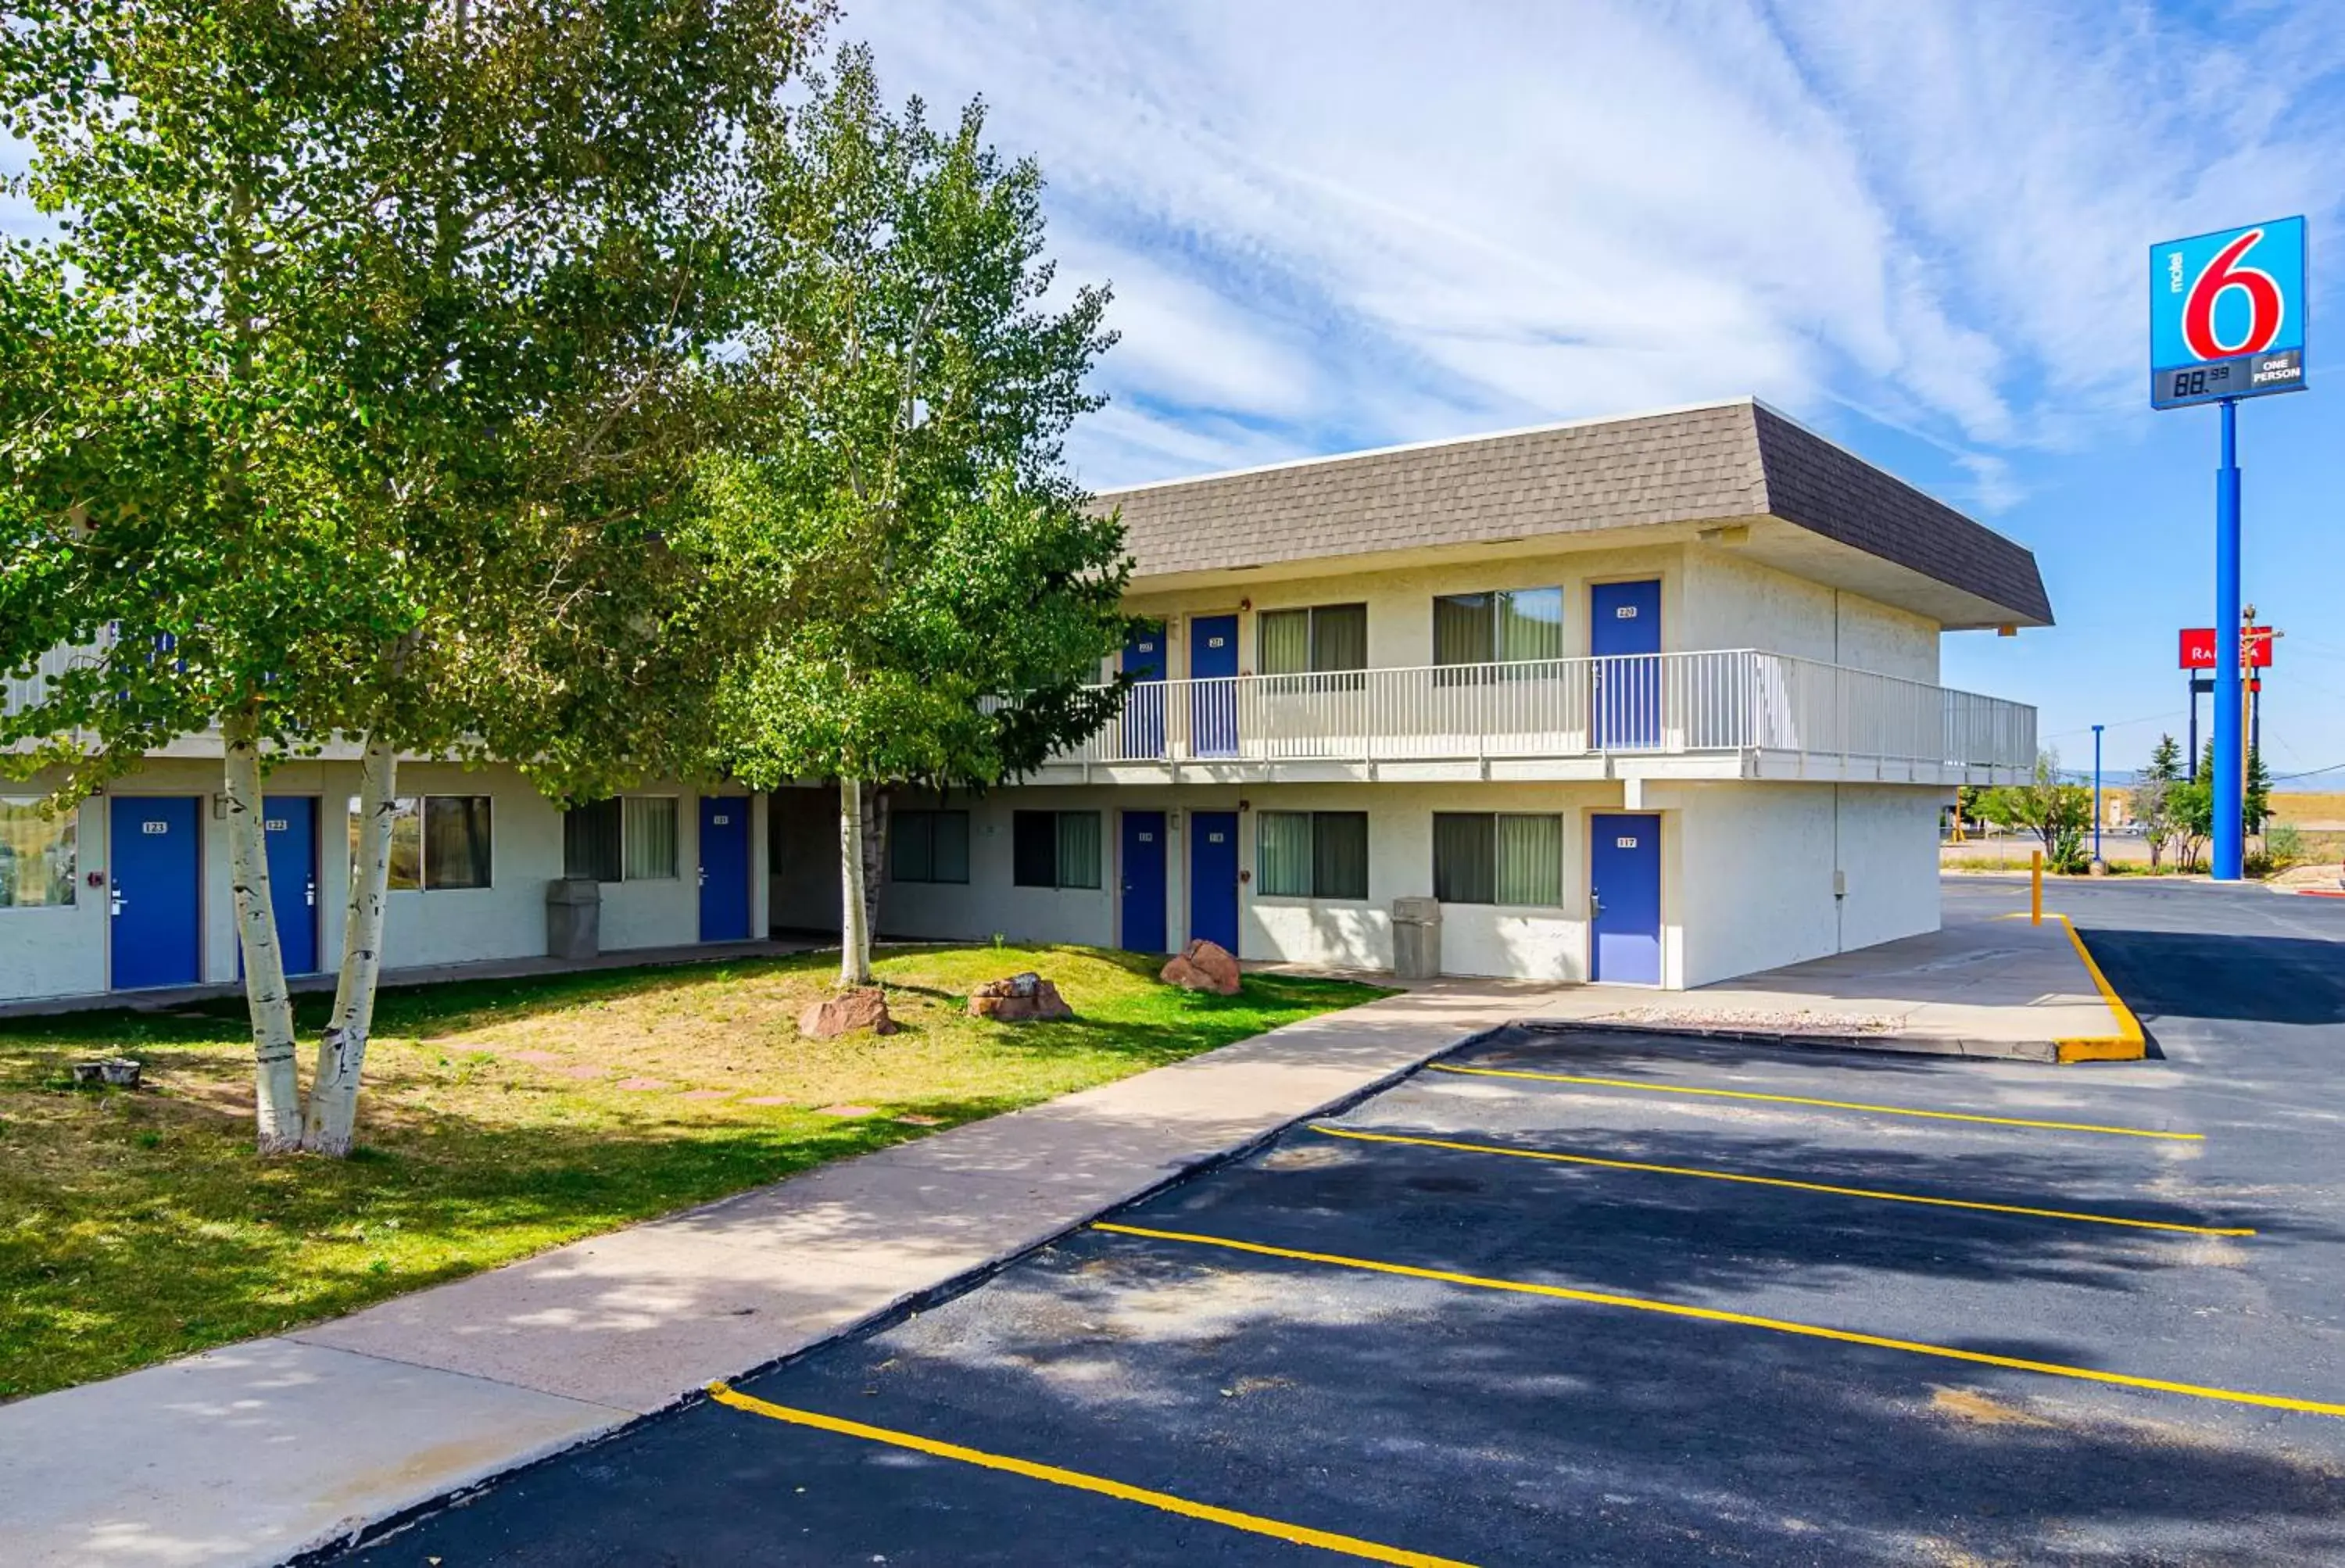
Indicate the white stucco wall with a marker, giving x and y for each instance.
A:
(1400, 602)
(1477, 940)
(1756, 862)
(1889, 854)
(1711, 597)
(1755, 866)
(1732, 602)
(66, 951)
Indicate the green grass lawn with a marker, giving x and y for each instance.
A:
(500, 1118)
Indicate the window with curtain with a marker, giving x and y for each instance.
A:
(38, 856)
(590, 841)
(1339, 854)
(631, 839)
(1498, 858)
(928, 846)
(1318, 640)
(650, 835)
(1530, 860)
(1079, 849)
(406, 842)
(456, 845)
(1282, 847)
(1465, 857)
(1513, 626)
(1312, 854)
(1054, 848)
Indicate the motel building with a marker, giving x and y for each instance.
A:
(1650, 700)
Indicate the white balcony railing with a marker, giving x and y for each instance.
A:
(18, 693)
(1737, 700)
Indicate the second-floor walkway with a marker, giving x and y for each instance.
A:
(1728, 714)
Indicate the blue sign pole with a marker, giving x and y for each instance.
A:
(2097, 793)
(2231, 754)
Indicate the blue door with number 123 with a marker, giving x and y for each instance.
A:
(156, 869)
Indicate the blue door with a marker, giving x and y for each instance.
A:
(1143, 707)
(1624, 628)
(290, 829)
(1214, 877)
(1624, 891)
(1144, 881)
(156, 865)
(1213, 703)
(723, 867)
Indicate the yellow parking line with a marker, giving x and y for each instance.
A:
(1779, 1181)
(1804, 1100)
(1301, 1536)
(1714, 1315)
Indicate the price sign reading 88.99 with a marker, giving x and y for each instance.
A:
(2227, 314)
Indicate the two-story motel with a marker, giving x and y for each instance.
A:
(1650, 700)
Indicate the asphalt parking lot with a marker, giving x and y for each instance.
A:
(1596, 1296)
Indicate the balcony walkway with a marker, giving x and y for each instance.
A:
(1733, 714)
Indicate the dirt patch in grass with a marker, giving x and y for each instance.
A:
(502, 1118)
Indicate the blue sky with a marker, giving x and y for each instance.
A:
(1922, 229)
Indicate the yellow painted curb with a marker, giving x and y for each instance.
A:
(2129, 1044)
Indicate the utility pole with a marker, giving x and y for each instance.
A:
(2096, 795)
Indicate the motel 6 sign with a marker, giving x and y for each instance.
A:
(2227, 314)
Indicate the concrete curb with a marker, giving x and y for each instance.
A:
(1886, 1044)
(2130, 1043)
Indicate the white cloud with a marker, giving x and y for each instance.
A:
(1338, 224)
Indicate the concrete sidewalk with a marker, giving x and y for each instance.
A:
(254, 1452)
(1999, 987)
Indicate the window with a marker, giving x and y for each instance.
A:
(929, 847)
(1313, 641)
(1054, 848)
(1512, 626)
(1312, 854)
(591, 838)
(38, 856)
(436, 842)
(628, 839)
(1498, 858)
(650, 835)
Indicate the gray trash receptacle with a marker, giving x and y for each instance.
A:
(1417, 939)
(574, 919)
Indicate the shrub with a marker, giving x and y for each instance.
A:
(2284, 846)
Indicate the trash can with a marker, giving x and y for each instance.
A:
(574, 919)
(1417, 939)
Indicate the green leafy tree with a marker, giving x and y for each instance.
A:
(2057, 813)
(938, 593)
(350, 398)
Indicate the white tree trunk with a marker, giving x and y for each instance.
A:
(854, 924)
(876, 810)
(342, 1050)
(277, 1089)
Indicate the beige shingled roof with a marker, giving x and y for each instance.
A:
(1722, 462)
